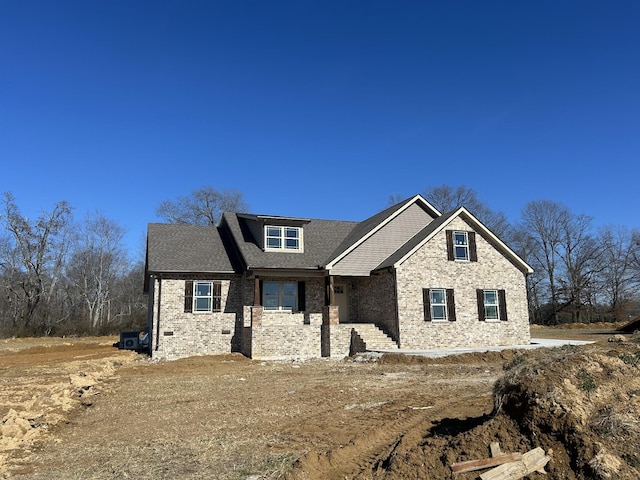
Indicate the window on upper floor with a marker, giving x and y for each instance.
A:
(202, 296)
(283, 238)
(461, 245)
(492, 305)
(439, 304)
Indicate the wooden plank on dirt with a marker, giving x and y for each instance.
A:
(532, 461)
(495, 449)
(471, 465)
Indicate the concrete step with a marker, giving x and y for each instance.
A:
(374, 338)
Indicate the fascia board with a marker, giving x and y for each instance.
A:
(503, 246)
(415, 199)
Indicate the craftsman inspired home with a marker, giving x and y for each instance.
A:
(277, 287)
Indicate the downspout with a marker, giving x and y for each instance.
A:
(158, 317)
(150, 302)
(393, 272)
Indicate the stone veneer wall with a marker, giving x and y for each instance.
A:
(429, 268)
(340, 340)
(285, 342)
(377, 302)
(283, 335)
(177, 334)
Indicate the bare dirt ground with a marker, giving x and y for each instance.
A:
(80, 408)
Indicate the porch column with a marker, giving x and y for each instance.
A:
(256, 292)
(329, 298)
(256, 310)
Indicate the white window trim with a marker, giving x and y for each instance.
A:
(466, 246)
(211, 297)
(485, 304)
(196, 297)
(283, 239)
(444, 304)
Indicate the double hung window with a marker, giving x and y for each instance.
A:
(492, 305)
(203, 296)
(438, 299)
(439, 304)
(461, 245)
(490, 301)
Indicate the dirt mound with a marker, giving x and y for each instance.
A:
(580, 404)
(44, 384)
(584, 404)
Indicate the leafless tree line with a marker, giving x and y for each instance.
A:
(61, 277)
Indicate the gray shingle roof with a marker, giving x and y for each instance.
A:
(320, 238)
(186, 249)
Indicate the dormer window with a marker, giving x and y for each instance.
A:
(283, 238)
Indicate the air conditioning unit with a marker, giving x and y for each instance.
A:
(129, 340)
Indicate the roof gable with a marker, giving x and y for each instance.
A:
(427, 233)
(371, 225)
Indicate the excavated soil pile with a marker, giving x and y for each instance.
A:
(581, 405)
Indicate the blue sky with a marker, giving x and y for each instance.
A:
(319, 108)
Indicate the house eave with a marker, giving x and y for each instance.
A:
(286, 272)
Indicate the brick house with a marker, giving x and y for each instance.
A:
(276, 287)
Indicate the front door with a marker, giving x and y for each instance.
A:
(342, 301)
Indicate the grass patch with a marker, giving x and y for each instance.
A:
(588, 383)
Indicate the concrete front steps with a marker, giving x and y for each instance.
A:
(373, 337)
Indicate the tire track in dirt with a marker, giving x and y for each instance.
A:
(365, 454)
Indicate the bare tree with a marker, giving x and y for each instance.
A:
(204, 206)
(616, 279)
(541, 220)
(579, 253)
(34, 260)
(97, 262)
(526, 247)
(446, 199)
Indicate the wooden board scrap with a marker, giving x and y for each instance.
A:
(532, 461)
(471, 465)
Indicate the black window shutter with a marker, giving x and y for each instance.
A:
(217, 296)
(426, 302)
(502, 299)
(451, 305)
(449, 234)
(188, 296)
(261, 285)
(480, 294)
(301, 297)
(473, 254)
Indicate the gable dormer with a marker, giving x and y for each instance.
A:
(277, 234)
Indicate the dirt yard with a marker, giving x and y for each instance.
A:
(78, 409)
